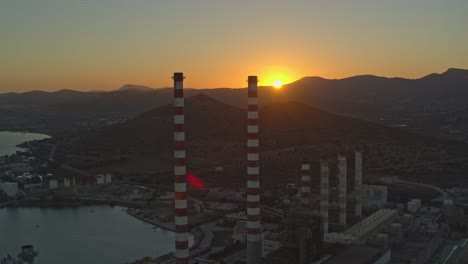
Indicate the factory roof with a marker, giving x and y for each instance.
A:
(301, 217)
(241, 227)
(371, 222)
(358, 255)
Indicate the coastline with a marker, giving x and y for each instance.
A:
(73, 203)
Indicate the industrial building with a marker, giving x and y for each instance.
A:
(374, 196)
(9, 188)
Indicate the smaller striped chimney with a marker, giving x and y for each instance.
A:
(324, 197)
(342, 188)
(180, 185)
(358, 184)
(305, 184)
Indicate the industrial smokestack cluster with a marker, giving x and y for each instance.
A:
(324, 197)
(305, 184)
(358, 184)
(180, 185)
(254, 246)
(342, 188)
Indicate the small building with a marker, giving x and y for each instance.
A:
(100, 179)
(240, 232)
(10, 189)
(361, 255)
(66, 182)
(374, 196)
(108, 178)
(413, 205)
(365, 230)
(53, 184)
(270, 243)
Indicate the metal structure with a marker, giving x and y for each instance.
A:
(358, 184)
(305, 184)
(180, 185)
(254, 244)
(324, 196)
(342, 188)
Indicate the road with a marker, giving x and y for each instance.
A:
(235, 257)
(443, 194)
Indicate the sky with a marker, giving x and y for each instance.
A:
(104, 44)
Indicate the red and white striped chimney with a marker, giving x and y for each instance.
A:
(342, 188)
(180, 186)
(358, 184)
(324, 197)
(254, 246)
(305, 184)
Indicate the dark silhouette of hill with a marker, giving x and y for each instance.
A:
(135, 87)
(289, 131)
(419, 104)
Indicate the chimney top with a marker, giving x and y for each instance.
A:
(252, 79)
(178, 76)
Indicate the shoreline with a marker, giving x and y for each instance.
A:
(157, 223)
(73, 203)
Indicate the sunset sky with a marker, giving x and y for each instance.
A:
(104, 44)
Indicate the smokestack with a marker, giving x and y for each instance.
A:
(358, 184)
(254, 246)
(305, 184)
(324, 175)
(342, 174)
(180, 186)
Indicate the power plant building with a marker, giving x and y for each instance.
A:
(9, 188)
(374, 196)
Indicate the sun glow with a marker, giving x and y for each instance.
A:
(277, 84)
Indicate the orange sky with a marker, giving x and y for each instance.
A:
(87, 45)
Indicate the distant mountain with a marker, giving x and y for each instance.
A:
(135, 87)
(452, 73)
(216, 135)
(417, 104)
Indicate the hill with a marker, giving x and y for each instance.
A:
(289, 132)
(420, 105)
(135, 87)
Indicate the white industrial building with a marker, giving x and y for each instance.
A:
(374, 196)
(367, 229)
(66, 182)
(270, 243)
(108, 178)
(104, 178)
(413, 205)
(100, 179)
(9, 188)
(240, 232)
(53, 184)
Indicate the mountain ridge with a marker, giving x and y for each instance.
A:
(216, 132)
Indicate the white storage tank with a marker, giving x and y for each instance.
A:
(10, 189)
(100, 179)
(448, 202)
(66, 182)
(108, 178)
(53, 184)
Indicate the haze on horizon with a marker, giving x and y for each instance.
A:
(88, 45)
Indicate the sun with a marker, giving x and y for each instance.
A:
(277, 84)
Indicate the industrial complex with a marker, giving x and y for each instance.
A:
(331, 211)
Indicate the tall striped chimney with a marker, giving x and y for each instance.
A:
(342, 185)
(180, 185)
(254, 246)
(358, 184)
(305, 184)
(324, 197)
